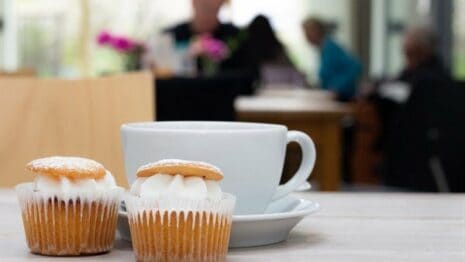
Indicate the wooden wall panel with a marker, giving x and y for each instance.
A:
(42, 117)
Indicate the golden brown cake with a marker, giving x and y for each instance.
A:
(70, 208)
(179, 215)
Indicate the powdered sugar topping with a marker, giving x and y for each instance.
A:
(179, 162)
(65, 163)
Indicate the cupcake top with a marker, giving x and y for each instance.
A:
(70, 167)
(181, 167)
(179, 179)
(70, 175)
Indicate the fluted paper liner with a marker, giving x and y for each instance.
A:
(180, 230)
(69, 225)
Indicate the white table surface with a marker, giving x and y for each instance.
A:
(349, 227)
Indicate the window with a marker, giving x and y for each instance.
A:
(57, 37)
(389, 19)
(458, 47)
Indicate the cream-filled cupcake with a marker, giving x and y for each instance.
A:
(70, 208)
(177, 212)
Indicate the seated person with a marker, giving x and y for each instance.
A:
(261, 51)
(339, 70)
(204, 22)
(422, 120)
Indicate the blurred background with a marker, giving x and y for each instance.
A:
(56, 38)
(378, 84)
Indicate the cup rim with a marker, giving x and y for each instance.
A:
(201, 127)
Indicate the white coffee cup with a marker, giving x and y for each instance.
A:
(251, 155)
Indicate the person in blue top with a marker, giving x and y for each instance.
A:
(339, 70)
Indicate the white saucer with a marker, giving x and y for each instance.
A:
(272, 227)
(255, 230)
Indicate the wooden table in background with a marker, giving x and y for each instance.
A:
(349, 227)
(319, 118)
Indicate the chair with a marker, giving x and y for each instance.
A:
(42, 117)
(200, 98)
(425, 139)
(363, 156)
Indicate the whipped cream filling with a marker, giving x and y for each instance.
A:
(66, 186)
(177, 186)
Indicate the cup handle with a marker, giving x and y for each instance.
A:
(306, 166)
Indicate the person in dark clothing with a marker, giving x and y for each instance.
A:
(205, 21)
(183, 33)
(421, 121)
(260, 47)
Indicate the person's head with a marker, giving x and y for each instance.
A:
(206, 14)
(315, 30)
(261, 26)
(263, 42)
(419, 45)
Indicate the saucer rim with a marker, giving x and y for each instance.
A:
(304, 211)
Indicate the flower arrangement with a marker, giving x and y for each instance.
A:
(211, 51)
(131, 49)
(209, 47)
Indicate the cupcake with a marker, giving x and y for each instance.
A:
(70, 208)
(177, 212)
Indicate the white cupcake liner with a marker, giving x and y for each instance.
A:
(137, 205)
(178, 229)
(63, 224)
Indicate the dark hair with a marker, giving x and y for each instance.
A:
(262, 41)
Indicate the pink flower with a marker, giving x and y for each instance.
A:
(214, 48)
(123, 44)
(210, 47)
(104, 38)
